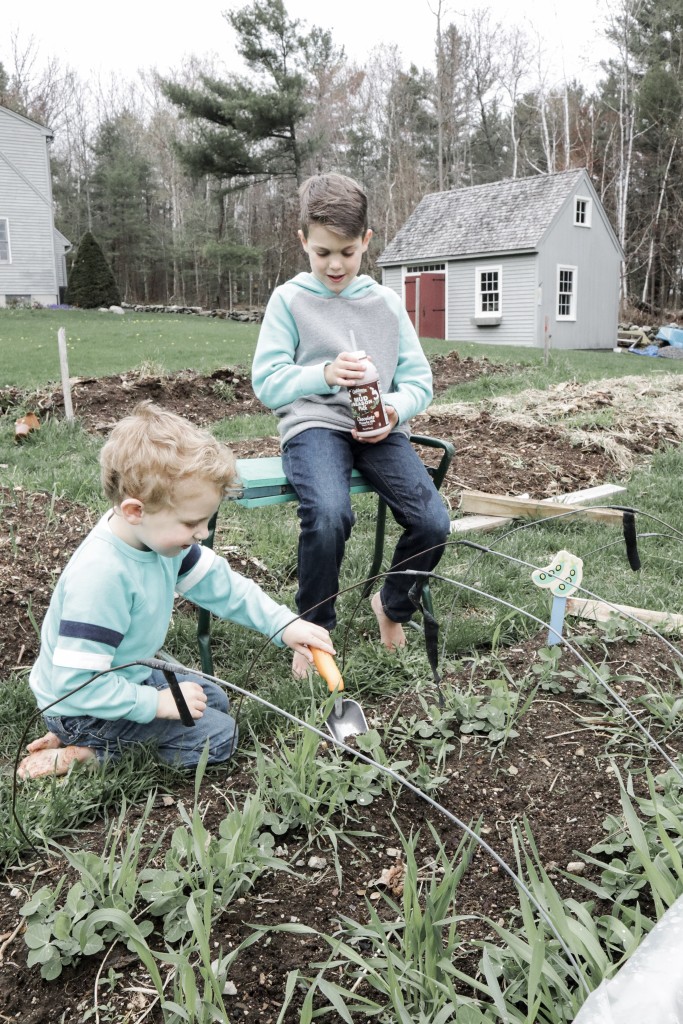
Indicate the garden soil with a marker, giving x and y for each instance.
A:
(554, 773)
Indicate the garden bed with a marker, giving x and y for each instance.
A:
(558, 767)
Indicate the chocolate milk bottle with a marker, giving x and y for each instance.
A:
(367, 405)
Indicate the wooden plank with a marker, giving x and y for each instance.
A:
(479, 524)
(599, 611)
(484, 524)
(480, 503)
(588, 494)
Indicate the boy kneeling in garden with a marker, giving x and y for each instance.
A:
(112, 605)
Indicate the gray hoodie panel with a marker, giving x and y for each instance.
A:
(324, 323)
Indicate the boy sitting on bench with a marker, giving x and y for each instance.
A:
(302, 368)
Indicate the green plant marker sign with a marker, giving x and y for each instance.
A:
(561, 578)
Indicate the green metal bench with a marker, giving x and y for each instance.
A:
(264, 483)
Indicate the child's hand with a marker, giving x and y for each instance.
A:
(347, 369)
(195, 698)
(392, 416)
(300, 635)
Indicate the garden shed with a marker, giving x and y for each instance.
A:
(525, 261)
(32, 251)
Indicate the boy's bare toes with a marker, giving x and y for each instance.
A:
(47, 742)
(52, 761)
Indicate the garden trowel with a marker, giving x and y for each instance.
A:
(346, 718)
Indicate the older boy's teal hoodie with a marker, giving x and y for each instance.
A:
(306, 326)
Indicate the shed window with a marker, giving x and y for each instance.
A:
(566, 293)
(425, 268)
(5, 254)
(582, 211)
(489, 286)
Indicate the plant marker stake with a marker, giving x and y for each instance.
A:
(64, 367)
(557, 611)
(562, 577)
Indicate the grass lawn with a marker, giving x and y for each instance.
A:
(100, 344)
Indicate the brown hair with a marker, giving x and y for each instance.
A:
(336, 202)
(151, 451)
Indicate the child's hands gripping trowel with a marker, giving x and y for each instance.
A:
(347, 718)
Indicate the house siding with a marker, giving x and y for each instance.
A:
(518, 301)
(26, 201)
(593, 253)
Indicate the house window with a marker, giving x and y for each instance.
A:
(566, 293)
(5, 254)
(425, 268)
(582, 211)
(489, 284)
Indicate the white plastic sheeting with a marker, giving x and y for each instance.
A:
(648, 989)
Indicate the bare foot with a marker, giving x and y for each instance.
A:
(52, 761)
(47, 742)
(390, 632)
(300, 666)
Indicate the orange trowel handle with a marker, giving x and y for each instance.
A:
(327, 667)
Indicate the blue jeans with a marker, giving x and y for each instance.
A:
(176, 743)
(318, 463)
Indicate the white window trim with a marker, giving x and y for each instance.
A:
(572, 308)
(9, 243)
(482, 316)
(589, 211)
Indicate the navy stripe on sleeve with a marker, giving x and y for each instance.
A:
(89, 631)
(190, 559)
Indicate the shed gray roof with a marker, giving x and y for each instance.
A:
(504, 216)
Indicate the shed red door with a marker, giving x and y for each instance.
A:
(426, 304)
(432, 306)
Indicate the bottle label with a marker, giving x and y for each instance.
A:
(368, 408)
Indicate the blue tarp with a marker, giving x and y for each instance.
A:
(649, 350)
(674, 335)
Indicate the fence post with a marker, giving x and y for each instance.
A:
(64, 367)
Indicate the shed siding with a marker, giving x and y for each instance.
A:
(392, 277)
(592, 251)
(519, 296)
(25, 199)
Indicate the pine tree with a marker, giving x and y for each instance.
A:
(91, 281)
(249, 125)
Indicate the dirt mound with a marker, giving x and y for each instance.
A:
(98, 402)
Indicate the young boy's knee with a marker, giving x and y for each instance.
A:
(223, 745)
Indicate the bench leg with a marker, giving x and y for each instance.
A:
(204, 617)
(204, 640)
(378, 553)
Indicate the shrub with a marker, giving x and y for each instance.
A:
(91, 281)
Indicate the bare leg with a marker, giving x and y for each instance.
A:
(47, 742)
(391, 633)
(300, 666)
(52, 761)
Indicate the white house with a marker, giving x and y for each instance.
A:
(32, 251)
(525, 261)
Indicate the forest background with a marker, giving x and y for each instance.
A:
(189, 182)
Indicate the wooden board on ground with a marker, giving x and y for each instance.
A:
(486, 523)
(600, 611)
(480, 503)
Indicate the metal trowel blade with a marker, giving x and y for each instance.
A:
(346, 720)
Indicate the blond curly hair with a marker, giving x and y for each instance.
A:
(151, 451)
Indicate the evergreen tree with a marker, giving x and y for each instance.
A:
(91, 281)
(124, 200)
(249, 127)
